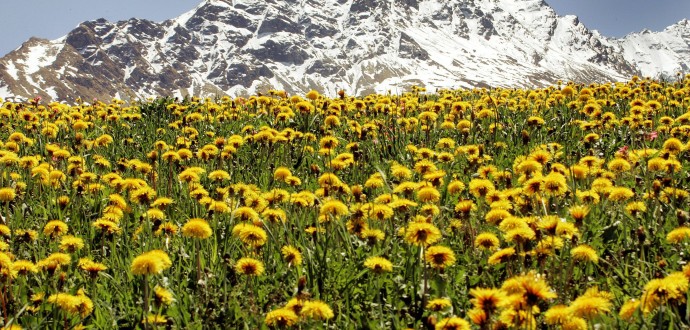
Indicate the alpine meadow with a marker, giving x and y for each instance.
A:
(345, 164)
(562, 207)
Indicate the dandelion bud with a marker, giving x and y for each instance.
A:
(525, 137)
(682, 217)
(301, 284)
(357, 191)
(431, 321)
(662, 263)
(63, 201)
(641, 235)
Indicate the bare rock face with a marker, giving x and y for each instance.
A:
(245, 46)
(409, 48)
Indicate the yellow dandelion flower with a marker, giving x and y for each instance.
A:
(150, 263)
(143, 195)
(249, 266)
(533, 289)
(29, 235)
(627, 311)
(281, 173)
(529, 166)
(619, 165)
(439, 304)
(155, 319)
(439, 257)
(65, 301)
(618, 194)
(533, 186)
(400, 172)
(5, 231)
(291, 255)
(495, 217)
(7, 194)
(372, 235)
(219, 175)
(656, 164)
(589, 306)
(380, 212)
(91, 267)
(245, 213)
(520, 235)
(673, 146)
(274, 215)
(71, 244)
(167, 228)
(295, 305)
(579, 212)
(375, 181)
(566, 229)
(378, 264)
(488, 300)
(252, 235)
(678, 235)
(452, 323)
(589, 197)
(85, 305)
(455, 187)
(163, 296)
(281, 317)
(422, 233)
(171, 156)
(672, 288)
(155, 214)
(478, 317)
(481, 187)
(486, 241)
(333, 208)
(555, 184)
(23, 267)
(197, 228)
(55, 228)
(584, 253)
(316, 309)
(464, 207)
(635, 208)
(501, 256)
(428, 194)
(557, 315)
(107, 227)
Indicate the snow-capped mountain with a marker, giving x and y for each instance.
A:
(245, 46)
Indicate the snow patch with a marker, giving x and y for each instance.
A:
(37, 58)
(5, 92)
(12, 71)
(51, 92)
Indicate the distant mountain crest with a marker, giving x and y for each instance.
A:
(362, 46)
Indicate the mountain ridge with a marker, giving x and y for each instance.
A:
(240, 47)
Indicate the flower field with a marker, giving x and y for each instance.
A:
(561, 208)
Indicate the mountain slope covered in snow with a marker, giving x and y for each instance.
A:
(362, 46)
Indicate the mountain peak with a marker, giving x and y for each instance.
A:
(683, 24)
(362, 46)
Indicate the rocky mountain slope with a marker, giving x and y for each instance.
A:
(362, 46)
